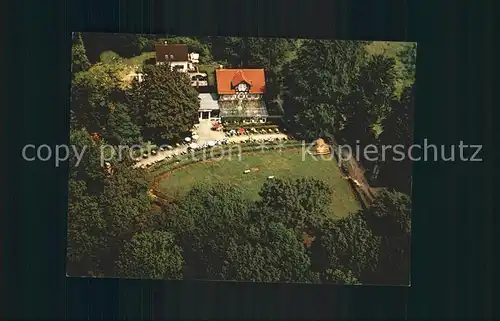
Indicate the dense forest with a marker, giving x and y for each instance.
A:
(350, 90)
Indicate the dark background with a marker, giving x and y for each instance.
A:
(452, 215)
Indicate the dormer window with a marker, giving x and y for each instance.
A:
(242, 87)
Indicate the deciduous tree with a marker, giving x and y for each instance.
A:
(166, 102)
(271, 253)
(396, 171)
(151, 255)
(318, 82)
(346, 244)
(92, 95)
(121, 129)
(86, 230)
(369, 102)
(339, 276)
(390, 218)
(298, 204)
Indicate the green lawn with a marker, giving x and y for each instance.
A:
(389, 48)
(139, 60)
(271, 163)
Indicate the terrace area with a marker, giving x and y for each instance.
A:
(245, 109)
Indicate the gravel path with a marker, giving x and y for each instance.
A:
(161, 155)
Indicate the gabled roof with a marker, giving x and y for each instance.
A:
(238, 78)
(227, 79)
(174, 52)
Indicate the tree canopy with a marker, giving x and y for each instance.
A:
(398, 130)
(272, 253)
(298, 204)
(165, 103)
(121, 129)
(389, 217)
(317, 83)
(152, 255)
(80, 62)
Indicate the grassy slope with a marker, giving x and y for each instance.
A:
(287, 164)
(137, 61)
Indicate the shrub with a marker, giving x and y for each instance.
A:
(110, 57)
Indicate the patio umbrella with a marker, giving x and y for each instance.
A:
(193, 145)
(187, 139)
(211, 143)
(169, 147)
(195, 137)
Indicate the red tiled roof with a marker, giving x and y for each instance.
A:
(227, 79)
(238, 78)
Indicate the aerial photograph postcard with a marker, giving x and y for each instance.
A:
(240, 159)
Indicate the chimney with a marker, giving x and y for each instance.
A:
(165, 42)
(220, 67)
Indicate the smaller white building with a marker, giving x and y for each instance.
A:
(209, 106)
(194, 57)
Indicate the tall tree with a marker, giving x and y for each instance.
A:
(92, 94)
(390, 218)
(369, 102)
(106, 206)
(408, 56)
(85, 161)
(232, 50)
(86, 223)
(80, 62)
(86, 230)
(121, 129)
(169, 103)
(151, 255)
(317, 84)
(346, 244)
(396, 171)
(126, 208)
